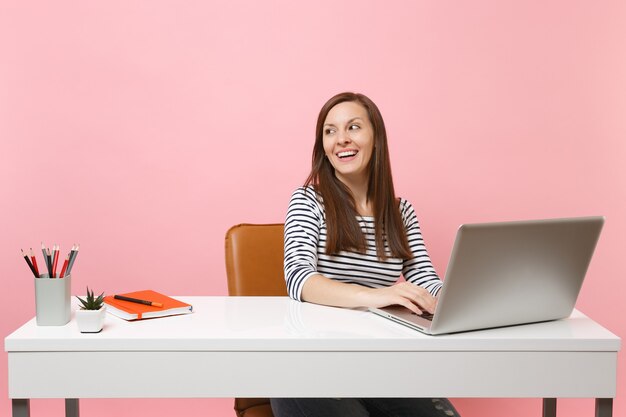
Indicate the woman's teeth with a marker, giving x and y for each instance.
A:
(346, 154)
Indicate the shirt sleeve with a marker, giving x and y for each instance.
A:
(419, 270)
(302, 232)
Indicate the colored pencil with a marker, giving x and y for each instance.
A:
(30, 265)
(50, 274)
(73, 256)
(44, 250)
(34, 260)
(55, 261)
(67, 260)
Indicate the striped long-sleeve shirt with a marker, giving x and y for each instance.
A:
(305, 250)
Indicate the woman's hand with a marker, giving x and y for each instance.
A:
(411, 296)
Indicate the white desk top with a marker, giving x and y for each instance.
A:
(282, 324)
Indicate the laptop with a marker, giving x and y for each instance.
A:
(509, 273)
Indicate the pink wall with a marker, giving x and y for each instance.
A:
(144, 130)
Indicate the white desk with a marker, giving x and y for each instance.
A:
(230, 345)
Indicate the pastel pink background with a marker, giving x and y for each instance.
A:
(144, 130)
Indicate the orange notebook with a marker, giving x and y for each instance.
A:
(133, 311)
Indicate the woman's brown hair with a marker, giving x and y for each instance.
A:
(342, 229)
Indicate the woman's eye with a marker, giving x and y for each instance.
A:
(329, 131)
(354, 127)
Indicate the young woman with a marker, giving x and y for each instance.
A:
(348, 239)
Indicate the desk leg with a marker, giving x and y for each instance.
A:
(549, 407)
(604, 407)
(71, 407)
(21, 407)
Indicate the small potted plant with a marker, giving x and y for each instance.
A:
(90, 316)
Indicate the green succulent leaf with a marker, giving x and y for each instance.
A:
(90, 302)
(83, 302)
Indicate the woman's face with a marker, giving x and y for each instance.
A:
(348, 138)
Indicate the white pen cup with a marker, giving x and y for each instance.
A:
(52, 300)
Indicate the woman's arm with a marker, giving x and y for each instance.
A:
(321, 290)
(302, 232)
(418, 270)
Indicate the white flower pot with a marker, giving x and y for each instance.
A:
(90, 321)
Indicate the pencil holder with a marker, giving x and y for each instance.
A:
(52, 300)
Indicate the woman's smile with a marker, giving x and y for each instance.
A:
(347, 155)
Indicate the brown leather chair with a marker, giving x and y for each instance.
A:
(254, 266)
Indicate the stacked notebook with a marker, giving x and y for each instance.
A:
(129, 310)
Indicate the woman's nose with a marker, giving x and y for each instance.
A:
(343, 137)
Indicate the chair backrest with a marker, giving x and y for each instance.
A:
(254, 259)
(254, 266)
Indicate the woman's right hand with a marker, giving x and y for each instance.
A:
(411, 296)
